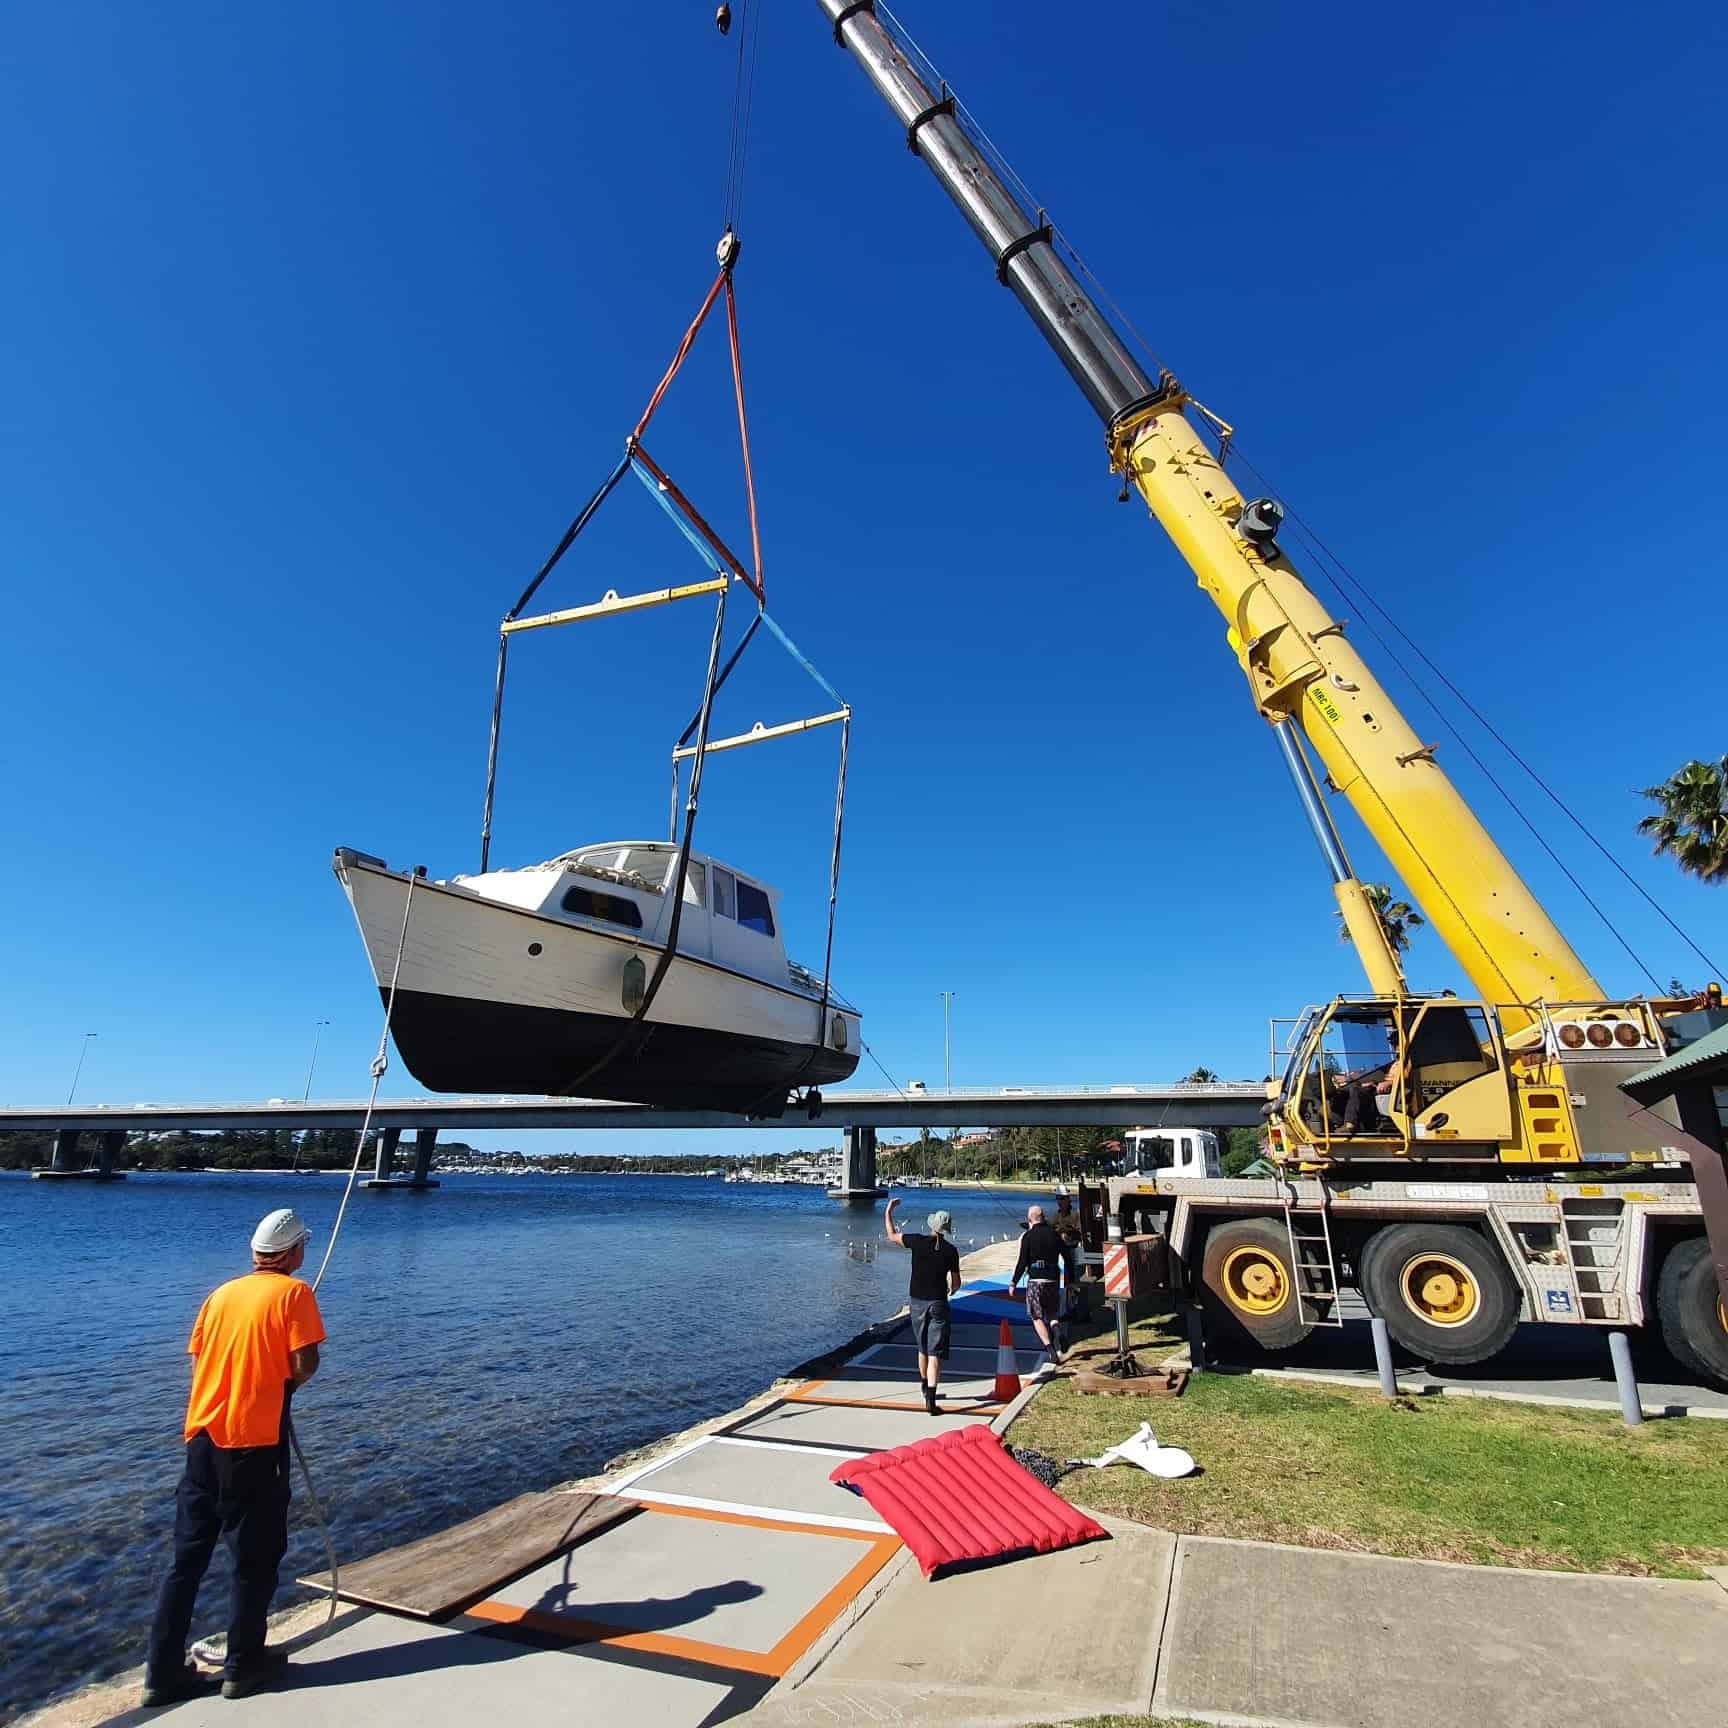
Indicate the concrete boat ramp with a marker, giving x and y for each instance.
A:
(747, 1583)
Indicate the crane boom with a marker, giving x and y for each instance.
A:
(1300, 666)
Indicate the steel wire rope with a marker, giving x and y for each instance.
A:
(743, 97)
(1330, 563)
(1339, 573)
(1344, 584)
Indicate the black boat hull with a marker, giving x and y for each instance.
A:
(459, 1044)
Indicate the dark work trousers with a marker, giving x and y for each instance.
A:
(243, 1497)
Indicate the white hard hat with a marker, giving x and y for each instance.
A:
(279, 1231)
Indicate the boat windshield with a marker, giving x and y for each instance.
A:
(637, 866)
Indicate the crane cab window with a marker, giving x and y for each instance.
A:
(1353, 1079)
(754, 910)
(1449, 1044)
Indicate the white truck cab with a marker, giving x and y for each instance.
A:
(1170, 1151)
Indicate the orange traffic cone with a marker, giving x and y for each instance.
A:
(1007, 1368)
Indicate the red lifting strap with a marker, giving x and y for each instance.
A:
(752, 581)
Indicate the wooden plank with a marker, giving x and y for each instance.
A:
(444, 1573)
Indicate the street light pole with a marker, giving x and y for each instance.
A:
(311, 1067)
(83, 1051)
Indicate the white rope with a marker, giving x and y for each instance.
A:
(380, 1062)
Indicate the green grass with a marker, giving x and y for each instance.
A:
(1433, 1478)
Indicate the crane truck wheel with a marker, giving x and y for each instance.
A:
(1442, 1291)
(1689, 1304)
(1248, 1288)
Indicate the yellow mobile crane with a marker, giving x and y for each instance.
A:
(1402, 1121)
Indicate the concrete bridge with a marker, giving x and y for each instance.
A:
(858, 1112)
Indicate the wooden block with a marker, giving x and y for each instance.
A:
(439, 1575)
(1166, 1385)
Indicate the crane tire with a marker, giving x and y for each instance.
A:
(1689, 1306)
(1248, 1287)
(1442, 1290)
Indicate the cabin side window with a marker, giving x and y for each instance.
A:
(725, 893)
(695, 885)
(608, 908)
(754, 911)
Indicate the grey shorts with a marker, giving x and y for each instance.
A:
(930, 1326)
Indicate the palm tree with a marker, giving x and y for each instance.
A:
(1397, 917)
(1692, 825)
(1200, 1077)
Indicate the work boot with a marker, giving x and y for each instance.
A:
(930, 1400)
(257, 1672)
(175, 1688)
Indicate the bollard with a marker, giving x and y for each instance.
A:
(1196, 1339)
(1631, 1405)
(1383, 1356)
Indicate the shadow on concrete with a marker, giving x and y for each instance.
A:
(651, 1613)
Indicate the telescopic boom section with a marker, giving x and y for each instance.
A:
(1297, 660)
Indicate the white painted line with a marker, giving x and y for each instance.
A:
(785, 1445)
(780, 1514)
(1707, 1411)
(619, 1483)
(1432, 1388)
(1326, 1377)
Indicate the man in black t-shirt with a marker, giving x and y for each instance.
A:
(1044, 1257)
(935, 1277)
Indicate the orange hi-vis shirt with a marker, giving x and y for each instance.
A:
(241, 1343)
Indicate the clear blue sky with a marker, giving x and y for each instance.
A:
(321, 321)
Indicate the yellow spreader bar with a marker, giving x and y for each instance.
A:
(760, 734)
(612, 602)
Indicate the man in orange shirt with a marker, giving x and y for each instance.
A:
(255, 1339)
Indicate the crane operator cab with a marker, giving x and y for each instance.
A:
(1367, 1077)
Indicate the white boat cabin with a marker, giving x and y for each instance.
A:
(620, 887)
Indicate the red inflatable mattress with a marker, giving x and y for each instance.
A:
(958, 1500)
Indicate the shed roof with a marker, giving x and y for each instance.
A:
(1703, 1061)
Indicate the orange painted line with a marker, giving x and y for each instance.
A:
(757, 1522)
(771, 1664)
(811, 1627)
(654, 1643)
(962, 1407)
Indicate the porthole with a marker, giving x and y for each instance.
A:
(534, 948)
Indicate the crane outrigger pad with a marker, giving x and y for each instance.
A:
(440, 1575)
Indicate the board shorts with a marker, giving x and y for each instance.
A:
(930, 1326)
(1043, 1301)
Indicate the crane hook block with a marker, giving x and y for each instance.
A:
(1260, 521)
(723, 19)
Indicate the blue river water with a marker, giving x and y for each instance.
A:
(496, 1335)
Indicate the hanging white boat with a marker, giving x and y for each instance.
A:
(530, 980)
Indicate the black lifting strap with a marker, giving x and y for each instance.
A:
(636, 1029)
(583, 517)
